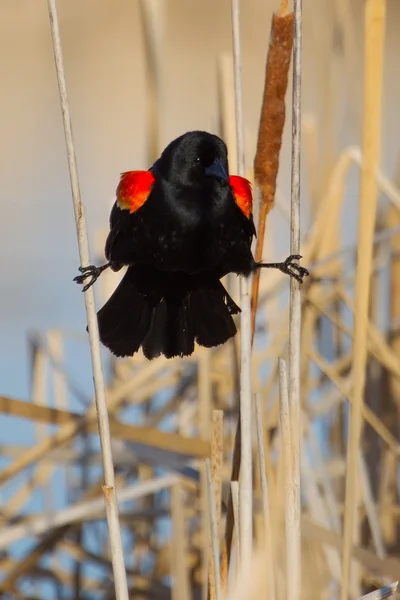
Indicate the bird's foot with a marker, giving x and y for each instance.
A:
(92, 272)
(288, 267)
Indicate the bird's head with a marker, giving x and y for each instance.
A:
(192, 159)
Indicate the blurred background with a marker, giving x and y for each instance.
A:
(107, 67)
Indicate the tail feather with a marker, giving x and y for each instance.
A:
(165, 314)
(125, 319)
(171, 331)
(213, 322)
(154, 339)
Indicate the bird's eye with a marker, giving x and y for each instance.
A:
(197, 159)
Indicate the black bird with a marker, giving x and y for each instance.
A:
(179, 227)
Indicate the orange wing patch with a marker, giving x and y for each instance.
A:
(133, 189)
(241, 189)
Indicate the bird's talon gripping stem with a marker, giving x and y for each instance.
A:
(289, 267)
(92, 272)
(86, 269)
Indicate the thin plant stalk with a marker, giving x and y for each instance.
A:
(292, 516)
(204, 420)
(246, 485)
(213, 531)
(181, 584)
(217, 447)
(294, 550)
(372, 513)
(236, 515)
(121, 587)
(265, 499)
(375, 13)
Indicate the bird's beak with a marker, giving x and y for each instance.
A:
(217, 169)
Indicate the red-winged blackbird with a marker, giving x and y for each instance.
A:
(179, 227)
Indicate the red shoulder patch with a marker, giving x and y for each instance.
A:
(133, 189)
(241, 189)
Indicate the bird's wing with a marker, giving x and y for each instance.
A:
(132, 192)
(241, 189)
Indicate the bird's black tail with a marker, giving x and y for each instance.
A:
(165, 314)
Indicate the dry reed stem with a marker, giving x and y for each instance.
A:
(265, 501)
(369, 502)
(230, 519)
(272, 121)
(250, 582)
(181, 586)
(246, 484)
(289, 451)
(388, 567)
(373, 69)
(39, 387)
(294, 550)
(324, 478)
(236, 514)
(120, 582)
(87, 509)
(387, 495)
(388, 488)
(149, 436)
(228, 126)
(277, 348)
(318, 512)
(39, 476)
(43, 476)
(55, 345)
(213, 531)
(204, 419)
(217, 448)
(393, 222)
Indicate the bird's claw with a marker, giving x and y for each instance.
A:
(89, 271)
(293, 269)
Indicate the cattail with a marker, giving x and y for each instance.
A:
(272, 120)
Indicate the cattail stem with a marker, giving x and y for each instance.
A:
(246, 482)
(294, 549)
